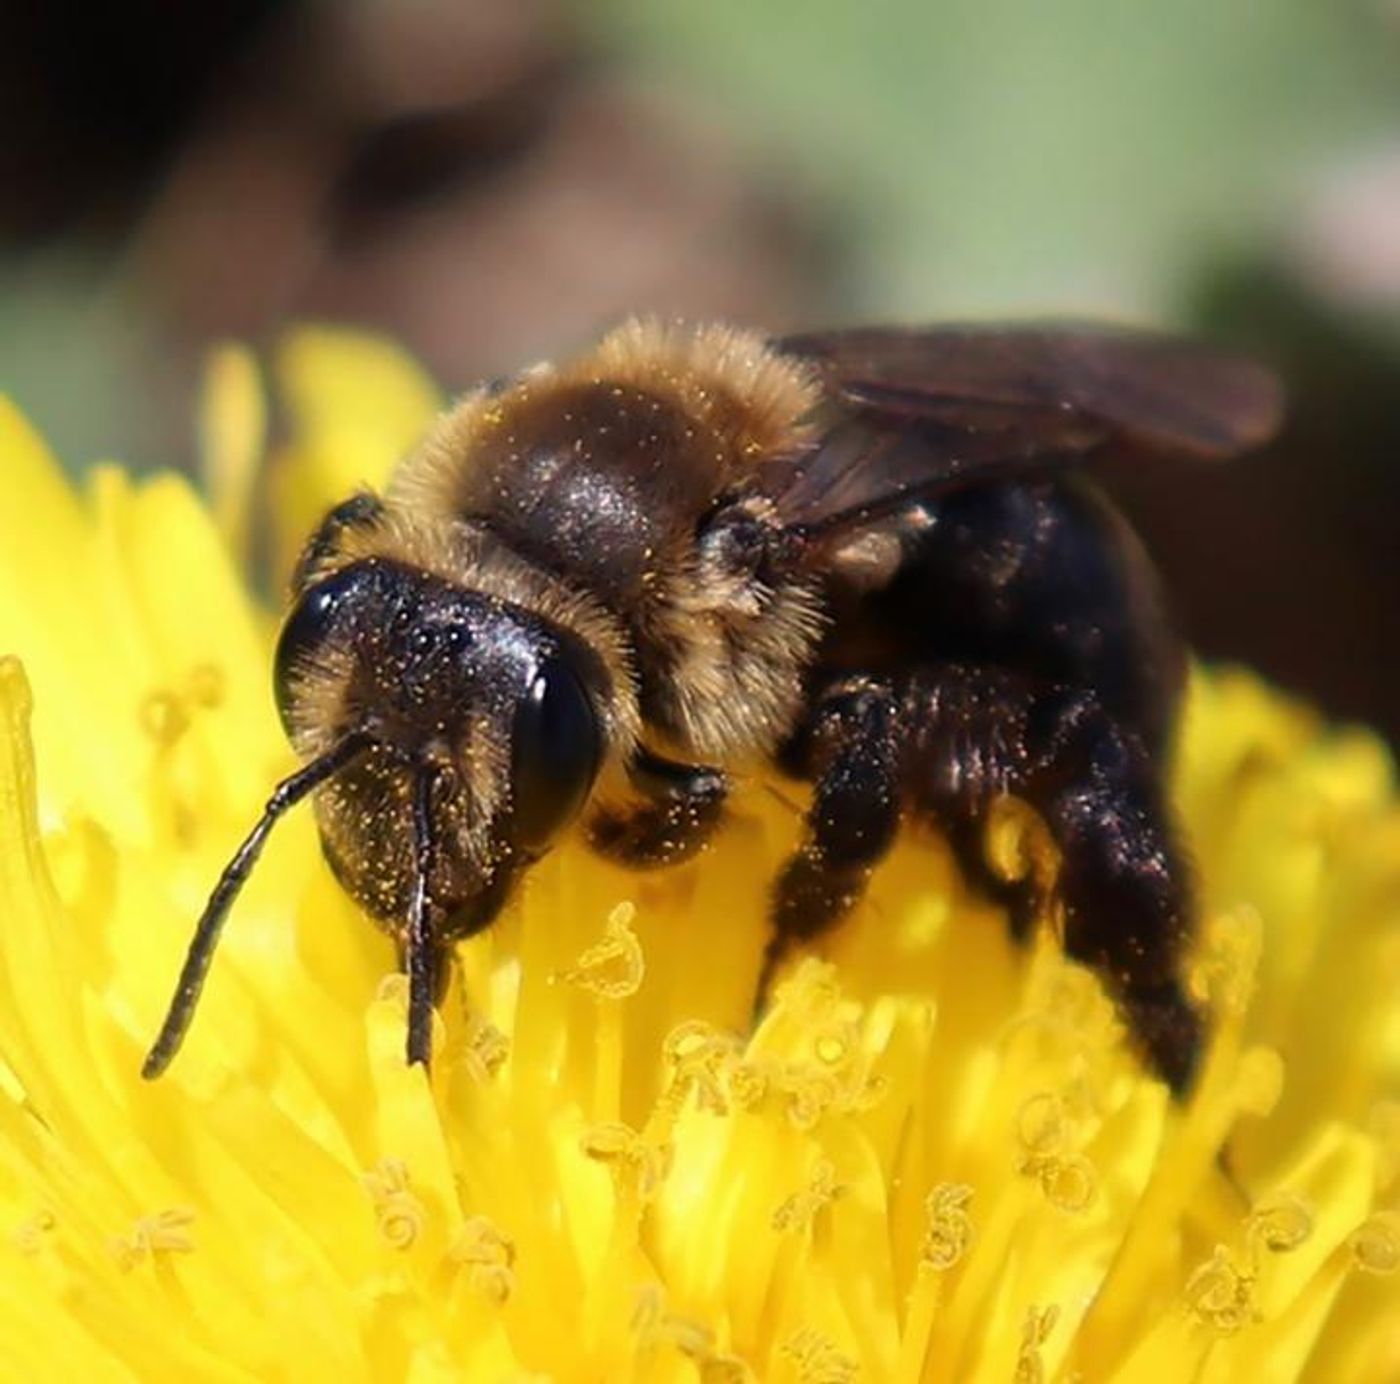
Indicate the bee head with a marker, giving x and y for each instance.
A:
(449, 737)
(501, 708)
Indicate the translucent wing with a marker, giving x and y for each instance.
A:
(914, 412)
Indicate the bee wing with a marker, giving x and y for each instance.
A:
(912, 412)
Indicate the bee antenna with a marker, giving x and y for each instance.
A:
(777, 793)
(422, 954)
(206, 934)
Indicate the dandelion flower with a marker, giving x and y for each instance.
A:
(935, 1159)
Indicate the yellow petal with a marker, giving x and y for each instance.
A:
(934, 1159)
(233, 434)
(357, 405)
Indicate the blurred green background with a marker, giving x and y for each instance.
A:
(493, 180)
(995, 156)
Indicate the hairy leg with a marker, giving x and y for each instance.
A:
(675, 812)
(851, 749)
(1125, 884)
(360, 510)
(949, 742)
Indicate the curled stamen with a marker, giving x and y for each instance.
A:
(654, 1325)
(488, 1255)
(398, 1214)
(1035, 1331)
(29, 1235)
(1278, 1223)
(648, 1310)
(637, 1166)
(166, 715)
(1375, 1243)
(1066, 1012)
(798, 1211)
(164, 718)
(206, 685)
(949, 1226)
(1040, 1123)
(724, 1369)
(1017, 846)
(1068, 1180)
(1220, 1294)
(700, 1059)
(1224, 974)
(832, 1069)
(1258, 1081)
(748, 1085)
(809, 1095)
(810, 996)
(818, 1360)
(165, 1232)
(1044, 1131)
(485, 1048)
(613, 968)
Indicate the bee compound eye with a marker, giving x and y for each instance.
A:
(555, 753)
(310, 624)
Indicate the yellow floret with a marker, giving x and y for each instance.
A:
(934, 1160)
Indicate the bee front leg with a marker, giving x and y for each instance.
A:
(851, 748)
(677, 810)
(361, 510)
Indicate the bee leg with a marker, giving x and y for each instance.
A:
(361, 509)
(1125, 887)
(1126, 884)
(676, 812)
(851, 748)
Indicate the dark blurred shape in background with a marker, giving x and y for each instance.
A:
(464, 177)
(95, 98)
(491, 181)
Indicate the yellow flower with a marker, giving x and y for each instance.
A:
(934, 1160)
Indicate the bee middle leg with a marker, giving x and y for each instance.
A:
(851, 748)
(677, 809)
(361, 510)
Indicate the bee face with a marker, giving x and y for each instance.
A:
(487, 698)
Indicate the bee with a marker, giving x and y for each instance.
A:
(869, 558)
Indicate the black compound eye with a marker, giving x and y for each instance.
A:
(310, 625)
(555, 753)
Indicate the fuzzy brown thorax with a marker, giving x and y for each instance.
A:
(603, 473)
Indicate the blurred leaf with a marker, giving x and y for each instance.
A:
(77, 355)
(1012, 155)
